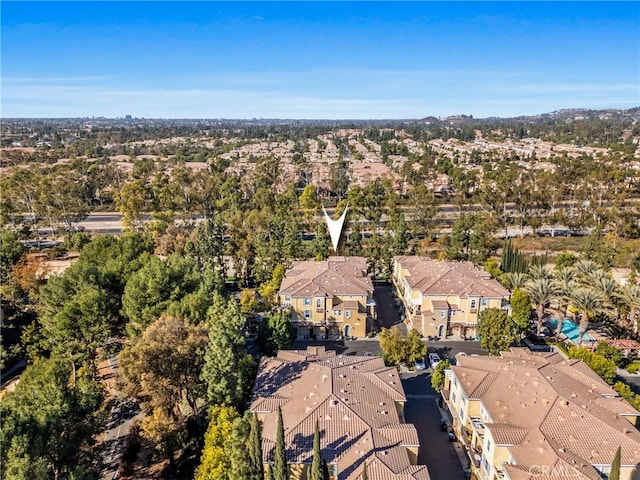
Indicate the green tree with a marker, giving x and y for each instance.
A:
(49, 422)
(497, 330)
(609, 352)
(236, 448)
(11, 249)
(154, 287)
(228, 369)
(521, 310)
(399, 348)
(315, 472)
(615, 465)
(365, 476)
(162, 368)
(255, 449)
(215, 461)
(437, 377)
(415, 348)
(541, 291)
(587, 302)
(602, 366)
(280, 464)
(82, 324)
(393, 345)
(276, 332)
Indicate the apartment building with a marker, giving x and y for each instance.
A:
(535, 416)
(329, 298)
(358, 403)
(443, 298)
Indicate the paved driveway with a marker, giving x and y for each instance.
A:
(436, 451)
(388, 313)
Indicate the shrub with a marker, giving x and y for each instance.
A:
(602, 366)
(633, 368)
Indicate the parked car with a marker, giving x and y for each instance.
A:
(420, 365)
(367, 354)
(434, 360)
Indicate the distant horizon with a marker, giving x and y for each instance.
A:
(316, 60)
(390, 119)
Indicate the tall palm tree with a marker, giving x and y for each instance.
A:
(630, 297)
(588, 302)
(566, 284)
(541, 291)
(539, 271)
(583, 268)
(609, 289)
(516, 280)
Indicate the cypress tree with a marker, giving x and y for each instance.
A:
(325, 470)
(255, 449)
(364, 472)
(280, 467)
(271, 477)
(615, 465)
(316, 464)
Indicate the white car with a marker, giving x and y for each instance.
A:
(434, 360)
(420, 365)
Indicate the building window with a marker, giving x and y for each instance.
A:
(347, 314)
(485, 464)
(488, 445)
(318, 303)
(337, 313)
(443, 314)
(484, 302)
(287, 298)
(473, 303)
(307, 301)
(307, 314)
(453, 397)
(453, 313)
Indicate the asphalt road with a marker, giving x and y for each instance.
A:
(121, 416)
(421, 409)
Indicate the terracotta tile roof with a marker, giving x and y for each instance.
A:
(557, 414)
(440, 304)
(352, 398)
(436, 277)
(334, 276)
(623, 344)
(504, 434)
(593, 438)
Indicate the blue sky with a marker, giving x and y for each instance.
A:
(316, 59)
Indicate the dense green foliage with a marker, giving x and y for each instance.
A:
(601, 365)
(497, 330)
(228, 369)
(437, 377)
(276, 332)
(280, 463)
(398, 348)
(49, 423)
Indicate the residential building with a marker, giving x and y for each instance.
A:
(329, 298)
(358, 403)
(443, 298)
(535, 416)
